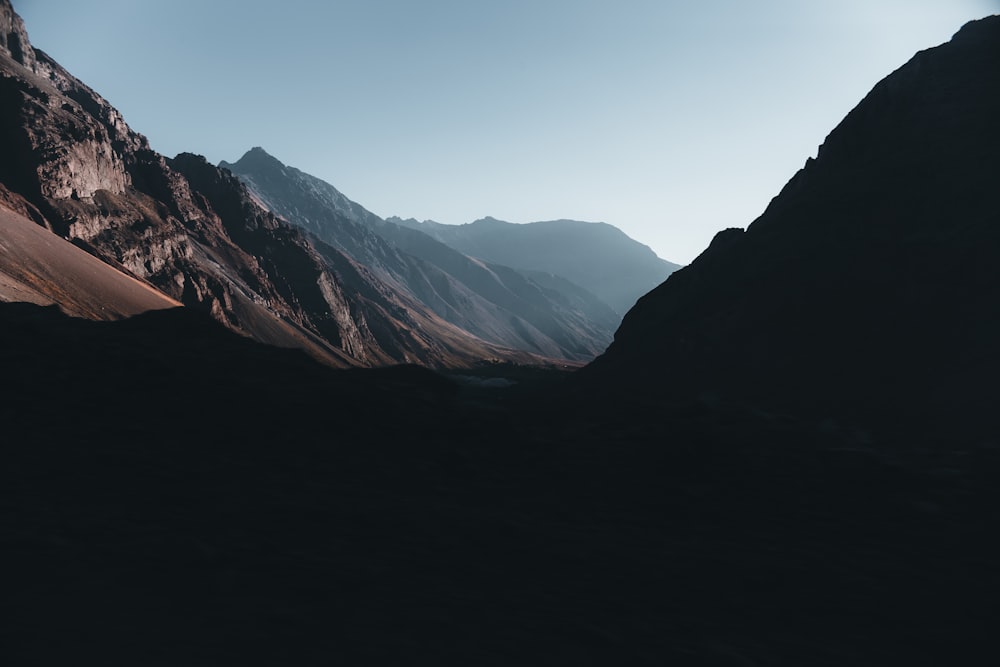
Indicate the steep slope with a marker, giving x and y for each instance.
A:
(596, 256)
(78, 169)
(490, 301)
(41, 268)
(869, 285)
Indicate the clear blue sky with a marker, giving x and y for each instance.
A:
(669, 119)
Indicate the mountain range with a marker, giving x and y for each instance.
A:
(288, 260)
(786, 456)
(596, 256)
(543, 313)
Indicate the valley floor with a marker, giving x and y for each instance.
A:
(163, 508)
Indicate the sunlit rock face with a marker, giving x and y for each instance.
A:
(75, 141)
(869, 283)
(96, 182)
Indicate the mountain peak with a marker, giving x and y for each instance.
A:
(490, 220)
(978, 30)
(258, 152)
(256, 157)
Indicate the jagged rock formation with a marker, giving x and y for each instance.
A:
(594, 255)
(72, 164)
(868, 287)
(537, 313)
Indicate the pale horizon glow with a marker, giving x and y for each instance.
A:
(669, 120)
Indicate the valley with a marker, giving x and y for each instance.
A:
(245, 421)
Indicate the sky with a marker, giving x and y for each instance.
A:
(669, 119)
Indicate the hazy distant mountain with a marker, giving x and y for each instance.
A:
(599, 257)
(869, 284)
(513, 308)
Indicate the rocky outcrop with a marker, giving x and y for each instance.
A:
(14, 38)
(868, 286)
(68, 142)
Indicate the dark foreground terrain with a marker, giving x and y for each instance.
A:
(161, 505)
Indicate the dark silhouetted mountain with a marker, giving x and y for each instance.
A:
(868, 287)
(73, 165)
(596, 256)
(506, 307)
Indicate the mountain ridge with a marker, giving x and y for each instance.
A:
(597, 256)
(489, 300)
(74, 166)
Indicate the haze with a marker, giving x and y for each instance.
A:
(669, 120)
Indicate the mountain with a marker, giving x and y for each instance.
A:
(194, 232)
(596, 256)
(867, 288)
(516, 309)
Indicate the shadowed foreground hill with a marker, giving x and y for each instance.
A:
(214, 501)
(868, 288)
